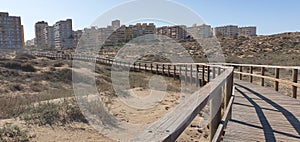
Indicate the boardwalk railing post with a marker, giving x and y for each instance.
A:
(250, 76)
(219, 71)
(139, 66)
(203, 75)
(215, 112)
(151, 66)
(214, 72)
(241, 70)
(197, 76)
(191, 74)
(295, 79)
(163, 69)
(180, 72)
(208, 74)
(262, 73)
(169, 71)
(277, 77)
(174, 71)
(185, 75)
(156, 68)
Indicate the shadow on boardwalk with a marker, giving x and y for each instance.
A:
(261, 114)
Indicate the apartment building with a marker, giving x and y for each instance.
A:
(177, 32)
(49, 36)
(247, 31)
(230, 30)
(200, 31)
(11, 32)
(76, 37)
(116, 24)
(40, 33)
(63, 34)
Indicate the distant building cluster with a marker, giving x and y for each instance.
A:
(61, 35)
(11, 32)
(234, 31)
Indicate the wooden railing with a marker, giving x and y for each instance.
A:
(263, 73)
(216, 90)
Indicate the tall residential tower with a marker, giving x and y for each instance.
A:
(11, 32)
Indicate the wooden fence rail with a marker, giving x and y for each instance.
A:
(247, 70)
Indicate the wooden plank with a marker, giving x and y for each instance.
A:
(262, 114)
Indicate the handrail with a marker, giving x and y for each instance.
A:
(247, 70)
(217, 82)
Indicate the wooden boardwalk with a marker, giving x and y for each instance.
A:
(261, 114)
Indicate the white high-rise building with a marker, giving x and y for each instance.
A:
(40, 33)
(63, 34)
(49, 36)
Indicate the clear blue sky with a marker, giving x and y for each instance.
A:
(270, 16)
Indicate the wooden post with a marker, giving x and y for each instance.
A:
(262, 73)
(229, 91)
(215, 112)
(139, 66)
(208, 74)
(295, 79)
(145, 67)
(214, 72)
(156, 68)
(180, 72)
(185, 74)
(174, 71)
(203, 75)
(169, 71)
(251, 72)
(276, 83)
(191, 74)
(151, 68)
(134, 66)
(219, 71)
(241, 70)
(163, 69)
(197, 76)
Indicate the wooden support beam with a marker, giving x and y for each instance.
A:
(203, 76)
(241, 70)
(276, 83)
(197, 76)
(174, 71)
(191, 74)
(295, 79)
(215, 112)
(251, 72)
(262, 73)
(208, 74)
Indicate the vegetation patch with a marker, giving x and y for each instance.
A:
(12, 133)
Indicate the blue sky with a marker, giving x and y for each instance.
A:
(270, 17)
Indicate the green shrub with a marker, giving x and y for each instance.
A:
(12, 133)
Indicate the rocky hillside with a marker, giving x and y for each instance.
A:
(279, 49)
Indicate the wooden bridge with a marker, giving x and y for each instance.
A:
(247, 108)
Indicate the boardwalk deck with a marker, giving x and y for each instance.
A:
(261, 114)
